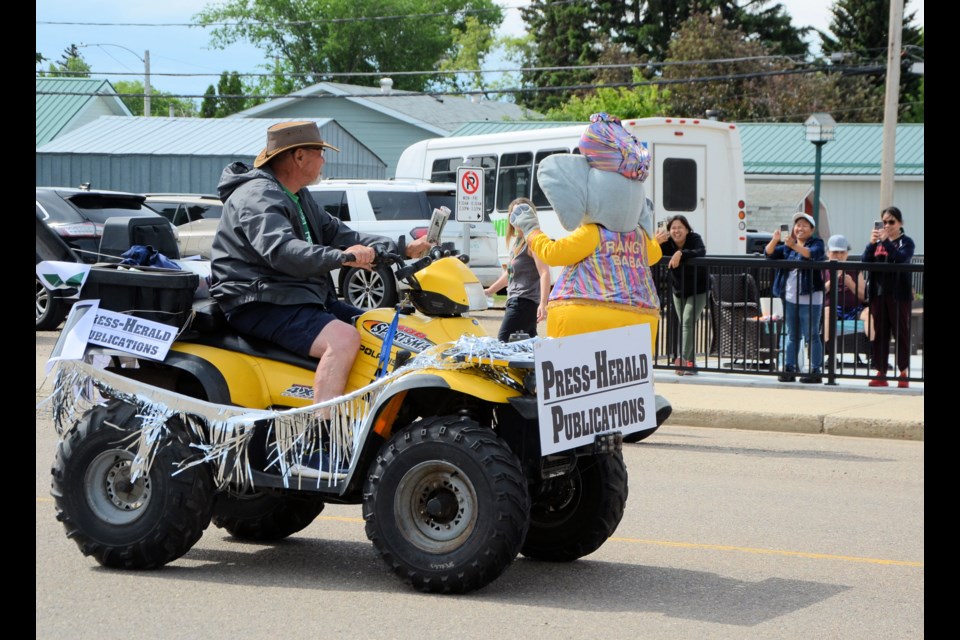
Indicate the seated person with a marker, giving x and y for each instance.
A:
(274, 250)
(851, 297)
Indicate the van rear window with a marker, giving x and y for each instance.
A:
(680, 184)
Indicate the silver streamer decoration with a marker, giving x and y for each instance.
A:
(222, 434)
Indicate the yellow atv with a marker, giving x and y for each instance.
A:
(444, 455)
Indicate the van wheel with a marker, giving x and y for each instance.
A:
(264, 516)
(124, 524)
(51, 309)
(446, 505)
(370, 289)
(573, 515)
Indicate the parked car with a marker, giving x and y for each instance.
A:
(390, 208)
(70, 225)
(195, 215)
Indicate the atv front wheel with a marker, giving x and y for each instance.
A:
(123, 524)
(264, 516)
(446, 505)
(573, 515)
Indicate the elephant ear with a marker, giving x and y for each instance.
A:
(616, 202)
(563, 178)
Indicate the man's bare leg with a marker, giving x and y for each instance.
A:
(337, 347)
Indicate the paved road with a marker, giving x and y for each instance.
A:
(728, 533)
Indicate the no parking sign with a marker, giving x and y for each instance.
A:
(469, 194)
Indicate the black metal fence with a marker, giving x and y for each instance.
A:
(742, 330)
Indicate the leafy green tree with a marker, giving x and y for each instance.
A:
(585, 33)
(160, 102)
(470, 47)
(227, 98)
(642, 102)
(317, 37)
(563, 38)
(71, 64)
(208, 107)
(861, 28)
(654, 22)
(754, 85)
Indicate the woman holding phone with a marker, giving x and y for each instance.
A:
(802, 293)
(688, 284)
(891, 295)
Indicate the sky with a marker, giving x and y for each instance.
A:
(184, 51)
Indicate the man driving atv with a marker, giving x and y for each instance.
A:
(274, 251)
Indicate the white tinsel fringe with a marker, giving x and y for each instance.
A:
(222, 434)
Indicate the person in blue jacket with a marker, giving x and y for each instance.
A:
(802, 294)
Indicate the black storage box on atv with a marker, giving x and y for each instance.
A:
(161, 295)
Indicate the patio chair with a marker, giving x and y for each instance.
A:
(743, 335)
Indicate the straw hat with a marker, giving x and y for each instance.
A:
(290, 135)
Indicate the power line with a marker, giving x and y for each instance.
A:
(434, 72)
(506, 90)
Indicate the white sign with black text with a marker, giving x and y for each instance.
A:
(139, 337)
(469, 194)
(594, 384)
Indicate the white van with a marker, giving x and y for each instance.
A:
(696, 170)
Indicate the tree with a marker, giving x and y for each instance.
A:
(316, 37)
(223, 101)
(753, 85)
(576, 34)
(861, 28)
(160, 102)
(642, 102)
(564, 38)
(71, 64)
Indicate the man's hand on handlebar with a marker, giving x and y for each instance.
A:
(363, 256)
(419, 247)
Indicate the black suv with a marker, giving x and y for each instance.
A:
(69, 227)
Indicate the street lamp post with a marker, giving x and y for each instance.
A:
(821, 128)
(146, 70)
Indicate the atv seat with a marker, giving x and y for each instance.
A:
(213, 330)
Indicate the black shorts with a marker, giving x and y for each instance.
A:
(293, 327)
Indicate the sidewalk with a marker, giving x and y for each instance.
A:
(744, 401)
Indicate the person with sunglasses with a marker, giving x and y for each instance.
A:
(891, 295)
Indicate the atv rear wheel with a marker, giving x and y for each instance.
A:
(573, 515)
(446, 505)
(123, 525)
(264, 516)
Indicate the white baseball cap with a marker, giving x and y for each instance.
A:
(805, 216)
(838, 243)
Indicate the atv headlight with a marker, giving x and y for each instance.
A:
(476, 298)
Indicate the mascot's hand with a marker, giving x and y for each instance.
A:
(524, 219)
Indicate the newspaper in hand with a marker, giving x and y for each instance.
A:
(437, 221)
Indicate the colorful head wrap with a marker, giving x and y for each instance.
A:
(607, 146)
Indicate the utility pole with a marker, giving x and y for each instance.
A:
(146, 83)
(892, 96)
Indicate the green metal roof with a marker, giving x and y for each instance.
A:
(499, 126)
(779, 149)
(54, 112)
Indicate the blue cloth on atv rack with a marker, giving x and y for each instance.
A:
(146, 256)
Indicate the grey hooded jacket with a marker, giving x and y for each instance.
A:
(260, 252)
